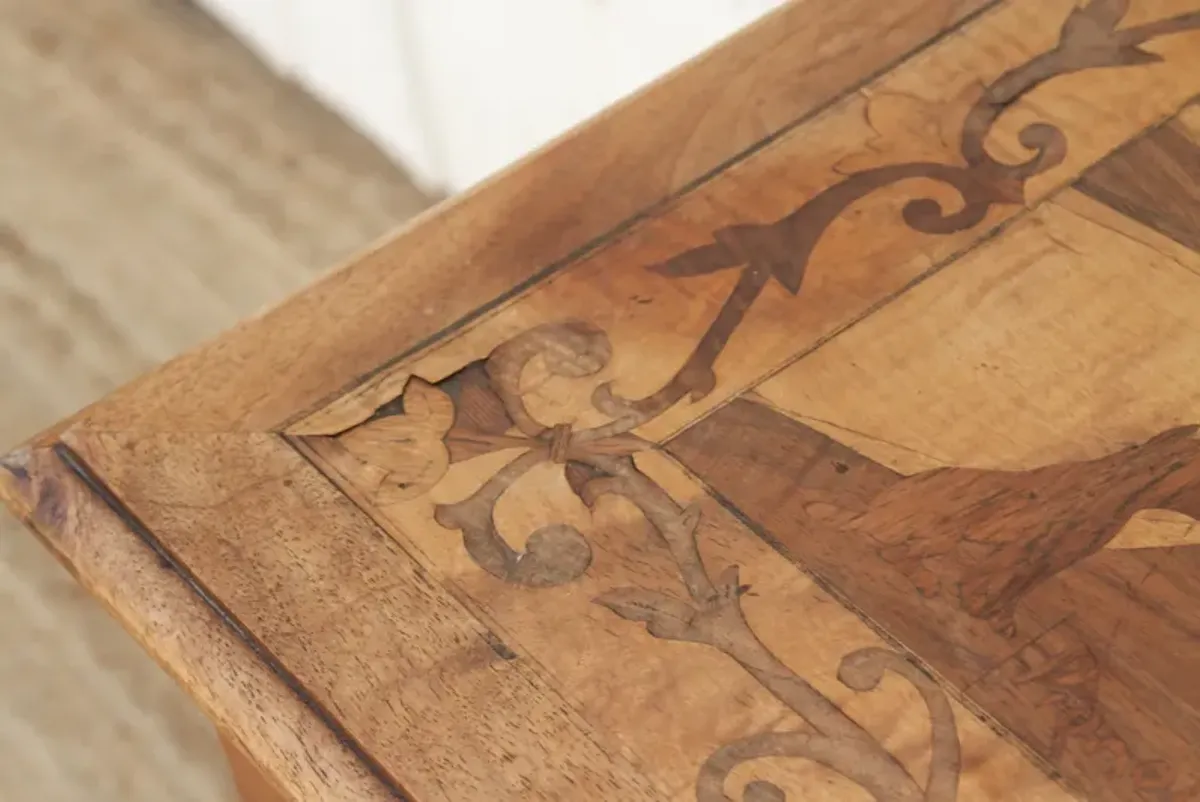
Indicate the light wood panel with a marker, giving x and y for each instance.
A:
(1047, 347)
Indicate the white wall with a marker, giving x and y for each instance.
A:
(457, 89)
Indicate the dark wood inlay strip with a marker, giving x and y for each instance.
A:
(1154, 180)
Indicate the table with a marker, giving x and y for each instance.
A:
(821, 423)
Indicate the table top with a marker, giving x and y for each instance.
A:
(818, 424)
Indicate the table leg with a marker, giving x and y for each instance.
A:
(251, 784)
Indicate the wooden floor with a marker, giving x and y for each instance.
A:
(156, 184)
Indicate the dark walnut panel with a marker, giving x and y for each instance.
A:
(1000, 582)
(1155, 180)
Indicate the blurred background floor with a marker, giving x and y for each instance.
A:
(156, 185)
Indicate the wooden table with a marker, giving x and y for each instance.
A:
(819, 424)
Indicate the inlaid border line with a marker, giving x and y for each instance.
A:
(626, 226)
(985, 238)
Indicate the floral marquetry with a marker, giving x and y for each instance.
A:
(860, 465)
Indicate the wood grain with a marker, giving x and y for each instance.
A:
(423, 692)
(1155, 180)
(946, 375)
(938, 382)
(1112, 679)
(700, 709)
(854, 213)
(222, 675)
(859, 491)
(1088, 655)
(544, 211)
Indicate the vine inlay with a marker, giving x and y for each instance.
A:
(600, 460)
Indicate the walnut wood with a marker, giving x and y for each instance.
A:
(1155, 180)
(999, 581)
(819, 423)
(238, 692)
(542, 213)
(415, 685)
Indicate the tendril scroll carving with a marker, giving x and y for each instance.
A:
(781, 250)
(491, 415)
(481, 410)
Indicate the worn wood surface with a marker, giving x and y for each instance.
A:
(543, 212)
(1155, 180)
(866, 467)
(238, 691)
